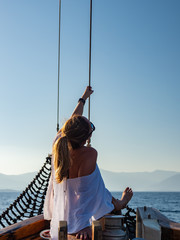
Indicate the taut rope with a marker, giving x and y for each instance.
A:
(58, 65)
(90, 37)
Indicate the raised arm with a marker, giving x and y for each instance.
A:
(80, 106)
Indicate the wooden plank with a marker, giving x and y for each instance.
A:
(21, 224)
(96, 230)
(25, 229)
(151, 229)
(138, 224)
(62, 230)
(29, 230)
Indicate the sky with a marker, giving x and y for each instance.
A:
(135, 76)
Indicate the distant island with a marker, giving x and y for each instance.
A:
(115, 181)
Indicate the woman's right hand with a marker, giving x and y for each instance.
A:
(87, 92)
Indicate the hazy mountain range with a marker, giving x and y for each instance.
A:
(142, 181)
(139, 181)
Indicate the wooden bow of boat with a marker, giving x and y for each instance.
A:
(27, 229)
(153, 225)
(150, 225)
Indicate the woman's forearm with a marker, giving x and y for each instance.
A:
(78, 109)
(80, 106)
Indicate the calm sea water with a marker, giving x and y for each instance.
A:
(168, 203)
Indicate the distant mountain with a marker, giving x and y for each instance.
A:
(114, 181)
(15, 182)
(8, 190)
(172, 183)
(142, 181)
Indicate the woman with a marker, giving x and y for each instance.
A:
(76, 191)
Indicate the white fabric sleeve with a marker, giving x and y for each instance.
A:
(48, 204)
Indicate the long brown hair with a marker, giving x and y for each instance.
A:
(74, 132)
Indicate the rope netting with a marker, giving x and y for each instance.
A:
(30, 202)
(130, 221)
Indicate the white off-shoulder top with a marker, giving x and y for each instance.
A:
(78, 201)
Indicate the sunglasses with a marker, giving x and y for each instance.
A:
(92, 126)
(93, 129)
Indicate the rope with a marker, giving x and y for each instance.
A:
(130, 221)
(30, 202)
(58, 65)
(90, 37)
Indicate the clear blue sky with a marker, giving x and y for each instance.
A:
(135, 77)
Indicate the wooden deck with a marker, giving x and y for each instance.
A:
(27, 229)
(30, 229)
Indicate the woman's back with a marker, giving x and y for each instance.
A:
(83, 161)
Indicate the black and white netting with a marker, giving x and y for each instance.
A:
(30, 202)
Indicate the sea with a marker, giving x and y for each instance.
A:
(168, 203)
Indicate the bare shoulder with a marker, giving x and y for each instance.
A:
(89, 156)
(90, 150)
(88, 161)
